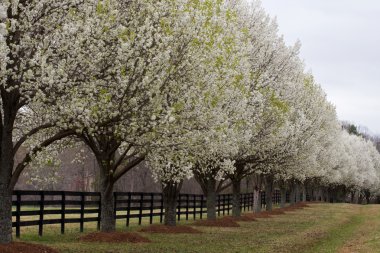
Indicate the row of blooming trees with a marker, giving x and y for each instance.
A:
(195, 88)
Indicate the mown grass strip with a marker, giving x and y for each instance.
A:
(338, 236)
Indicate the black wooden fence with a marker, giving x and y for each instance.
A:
(41, 208)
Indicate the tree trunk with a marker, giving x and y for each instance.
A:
(6, 168)
(108, 219)
(297, 192)
(170, 193)
(268, 193)
(367, 197)
(327, 196)
(283, 197)
(317, 194)
(292, 197)
(256, 200)
(236, 210)
(304, 191)
(352, 197)
(5, 215)
(257, 180)
(211, 199)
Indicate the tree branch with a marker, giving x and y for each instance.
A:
(30, 133)
(28, 157)
(121, 171)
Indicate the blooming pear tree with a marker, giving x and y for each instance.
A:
(132, 60)
(204, 89)
(28, 95)
(274, 70)
(211, 126)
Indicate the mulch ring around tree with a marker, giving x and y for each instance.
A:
(263, 214)
(295, 207)
(276, 211)
(22, 247)
(243, 218)
(114, 237)
(170, 229)
(224, 222)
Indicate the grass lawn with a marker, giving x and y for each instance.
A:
(318, 228)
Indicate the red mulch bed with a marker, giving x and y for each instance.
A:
(114, 237)
(22, 247)
(241, 218)
(295, 207)
(170, 229)
(265, 214)
(224, 222)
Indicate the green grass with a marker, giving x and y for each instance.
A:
(337, 237)
(319, 228)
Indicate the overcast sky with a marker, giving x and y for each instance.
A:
(341, 46)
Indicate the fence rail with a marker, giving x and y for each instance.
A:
(41, 208)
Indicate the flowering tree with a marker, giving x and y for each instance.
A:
(210, 127)
(135, 64)
(28, 94)
(275, 72)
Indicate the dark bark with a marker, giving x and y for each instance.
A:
(236, 209)
(360, 199)
(292, 196)
(210, 189)
(256, 200)
(297, 192)
(211, 199)
(6, 167)
(283, 197)
(367, 195)
(257, 182)
(170, 193)
(108, 219)
(304, 192)
(352, 197)
(111, 169)
(268, 193)
(5, 215)
(327, 196)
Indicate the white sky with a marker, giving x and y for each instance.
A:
(341, 46)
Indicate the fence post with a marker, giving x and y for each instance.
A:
(128, 208)
(179, 207)
(63, 210)
(99, 211)
(250, 202)
(151, 208)
(141, 207)
(18, 210)
(228, 204)
(245, 201)
(187, 206)
(194, 207)
(219, 205)
(115, 204)
(162, 208)
(224, 204)
(82, 197)
(201, 206)
(41, 220)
